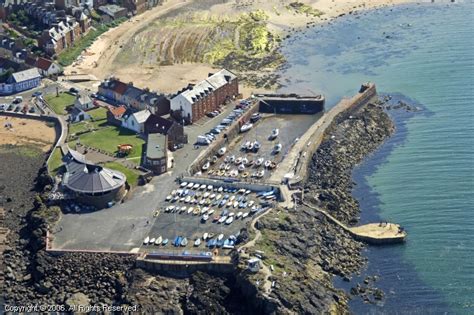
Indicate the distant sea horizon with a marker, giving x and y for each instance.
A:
(423, 177)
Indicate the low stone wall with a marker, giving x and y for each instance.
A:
(182, 267)
(232, 132)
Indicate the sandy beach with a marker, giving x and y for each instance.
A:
(19, 131)
(101, 59)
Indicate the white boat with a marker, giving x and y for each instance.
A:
(220, 237)
(204, 210)
(214, 159)
(246, 127)
(206, 194)
(183, 209)
(202, 187)
(205, 236)
(277, 148)
(241, 168)
(250, 146)
(229, 220)
(232, 159)
(184, 242)
(206, 166)
(227, 167)
(222, 219)
(274, 133)
(219, 196)
(190, 185)
(190, 210)
(267, 163)
(220, 189)
(210, 212)
(187, 199)
(210, 187)
(158, 240)
(256, 146)
(231, 214)
(260, 174)
(238, 160)
(197, 242)
(184, 184)
(245, 161)
(205, 217)
(146, 240)
(259, 162)
(152, 240)
(212, 196)
(251, 203)
(245, 145)
(244, 215)
(238, 215)
(196, 186)
(248, 191)
(236, 204)
(169, 197)
(232, 198)
(234, 173)
(222, 151)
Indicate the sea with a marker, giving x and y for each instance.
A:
(422, 177)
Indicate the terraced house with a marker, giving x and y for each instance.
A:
(193, 102)
(134, 97)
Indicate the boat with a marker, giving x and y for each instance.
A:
(267, 163)
(216, 218)
(260, 174)
(250, 146)
(245, 145)
(212, 196)
(256, 146)
(187, 199)
(245, 174)
(222, 219)
(211, 235)
(206, 194)
(232, 159)
(236, 204)
(241, 168)
(229, 220)
(222, 151)
(210, 187)
(238, 215)
(254, 209)
(250, 163)
(206, 166)
(214, 159)
(274, 134)
(152, 241)
(196, 186)
(238, 160)
(220, 237)
(244, 215)
(190, 185)
(248, 191)
(169, 197)
(158, 240)
(210, 212)
(204, 210)
(234, 173)
(246, 127)
(251, 203)
(255, 117)
(184, 184)
(220, 189)
(245, 161)
(232, 198)
(184, 242)
(205, 236)
(196, 211)
(177, 241)
(231, 214)
(218, 197)
(205, 217)
(227, 167)
(146, 240)
(259, 162)
(165, 241)
(277, 148)
(197, 242)
(202, 187)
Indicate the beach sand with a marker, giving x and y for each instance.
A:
(26, 132)
(99, 59)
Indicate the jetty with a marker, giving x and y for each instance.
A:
(373, 233)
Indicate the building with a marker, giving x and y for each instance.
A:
(135, 6)
(77, 115)
(156, 157)
(192, 103)
(134, 97)
(170, 128)
(113, 11)
(83, 101)
(47, 67)
(136, 121)
(92, 184)
(20, 81)
(115, 114)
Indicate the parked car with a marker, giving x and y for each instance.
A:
(93, 95)
(18, 100)
(73, 90)
(211, 114)
(17, 109)
(37, 93)
(178, 146)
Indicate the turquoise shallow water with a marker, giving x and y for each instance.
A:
(423, 178)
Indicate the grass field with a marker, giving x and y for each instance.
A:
(59, 103)
(132, 176)
(99, 116)
(108, 138)
(55, 162)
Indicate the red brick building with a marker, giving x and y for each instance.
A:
(195, 101)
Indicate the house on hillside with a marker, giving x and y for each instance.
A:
(193, 102)
(47, 67)
(113, 89)
(77, 115)
(136, 121)
(156, 155)
(170, 128)
(115, 114)
(83, 101)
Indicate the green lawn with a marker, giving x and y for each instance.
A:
(99, 116)
(55, 162)
(59, 103)
(132, 176)
(108, 138)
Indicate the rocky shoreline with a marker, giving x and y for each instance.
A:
(304, 249)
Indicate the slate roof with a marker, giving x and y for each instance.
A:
(26, 75)
(158, 124)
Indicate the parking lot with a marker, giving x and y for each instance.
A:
(290, 127)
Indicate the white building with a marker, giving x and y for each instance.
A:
(47, 67)
(83, 101)
(136, 121)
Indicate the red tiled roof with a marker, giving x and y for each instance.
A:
(117, 111)
(43, 63)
